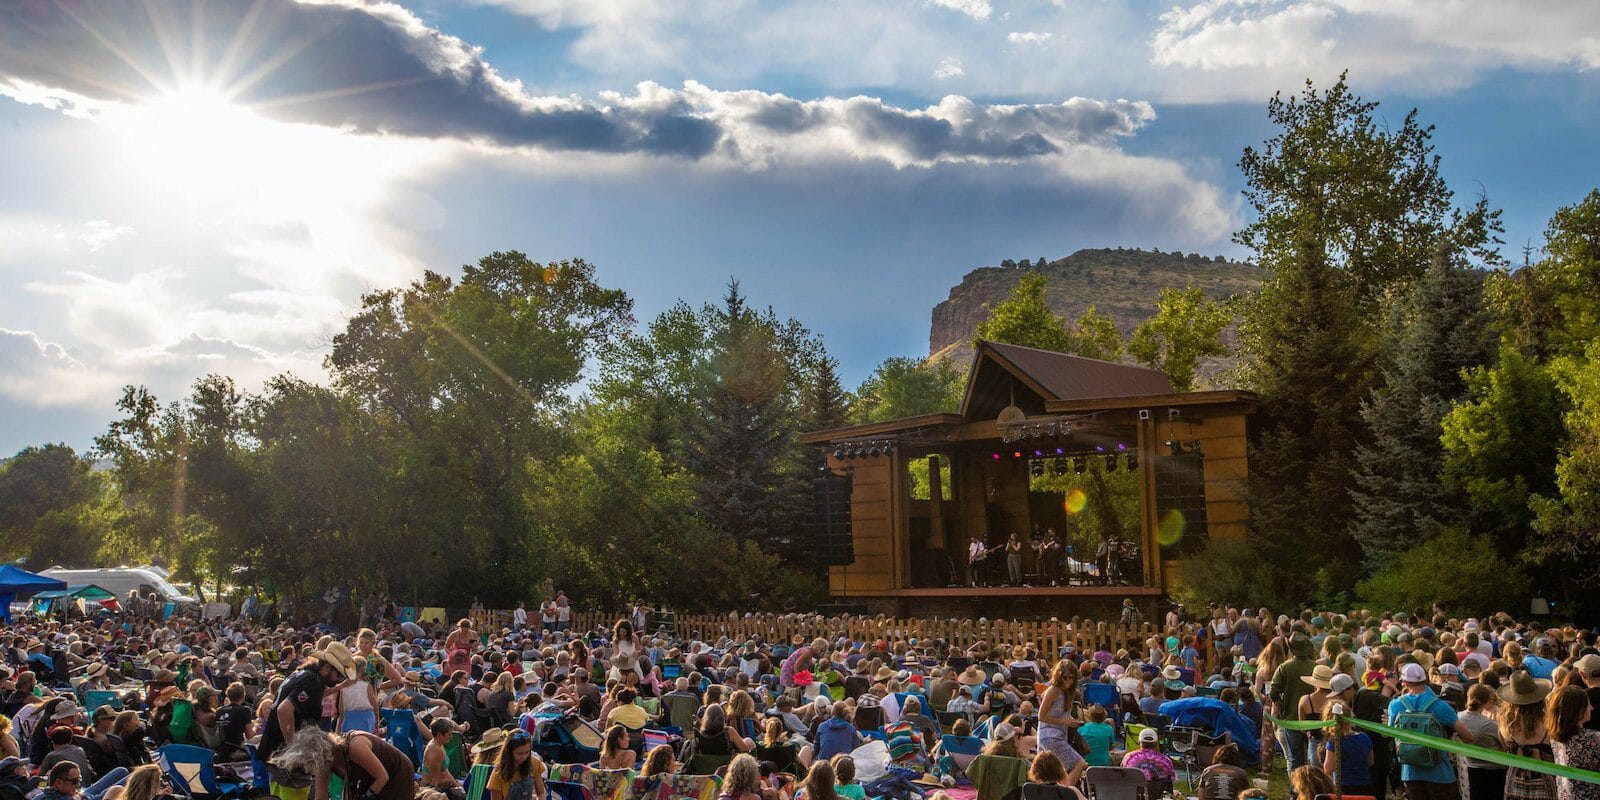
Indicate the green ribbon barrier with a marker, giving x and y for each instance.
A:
(1448, 746)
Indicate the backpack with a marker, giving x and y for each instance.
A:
(1525, 784)
(1419, 720)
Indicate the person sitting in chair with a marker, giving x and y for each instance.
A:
(1158, 769)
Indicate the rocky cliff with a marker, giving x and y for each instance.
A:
(1121, 283)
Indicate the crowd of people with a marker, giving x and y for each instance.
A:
(87, 704)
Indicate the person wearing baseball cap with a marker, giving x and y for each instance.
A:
(1288, 685)
(1157, 767)
(1588, 667)
(1437, 782)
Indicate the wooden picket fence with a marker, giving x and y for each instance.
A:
(1086, 635)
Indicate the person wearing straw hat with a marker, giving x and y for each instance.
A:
(1438, 781)
(1523, 732)
(299, 699)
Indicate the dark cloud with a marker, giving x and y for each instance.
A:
(379, 69)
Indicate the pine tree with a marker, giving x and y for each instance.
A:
(740, 442)
(1442, 328)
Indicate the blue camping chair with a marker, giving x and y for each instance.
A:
(260, 779)
(401, 730)
(961, 749)
(95, 698)
(1101, 694)
(1186, 675)
(192, 772)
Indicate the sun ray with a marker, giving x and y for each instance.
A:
(228, 66)
(343, 91)
(118, 51)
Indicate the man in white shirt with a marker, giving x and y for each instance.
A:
(519, 618)
(975, 553)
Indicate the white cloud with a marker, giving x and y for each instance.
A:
(1252, 46)
(1028, 37)
(949, 67)
(977, 9)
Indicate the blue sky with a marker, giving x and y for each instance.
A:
(172, 205)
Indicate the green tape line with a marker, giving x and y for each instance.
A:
(1448, 746)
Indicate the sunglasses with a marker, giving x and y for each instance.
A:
(519, 737)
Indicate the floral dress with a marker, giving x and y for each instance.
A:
(1581, 751)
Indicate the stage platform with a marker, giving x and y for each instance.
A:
(1025, 591)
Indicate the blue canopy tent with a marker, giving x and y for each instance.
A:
(15, 581)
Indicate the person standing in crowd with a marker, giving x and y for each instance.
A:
(519, 618)
(1574, 745)
(1435, 780)
(299, 700)
(1289, 685)
(1523, 732)
(1486, 780)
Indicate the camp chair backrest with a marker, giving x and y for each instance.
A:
(400, 729)
(259, 777)
(95, 698)
(1101, 694)
(705, 764)
(947, 719)
(1024, 676)
(562, 790)
(478, 780)
(876, 734)
(992, 776)
(1186, 675)
(867, 718)
(990, 669)
(1115, 783)
(962, 749)
(191, 770)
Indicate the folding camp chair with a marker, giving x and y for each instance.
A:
(992, 776)
(961, 749)
(95, 698)
(191, 771)
(400, 728)
(1115, 783)
(1101, 694)
(947, 719)
(1047, 791)
(477, 780)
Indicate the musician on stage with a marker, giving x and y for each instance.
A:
(1013, 560)
(1048, 550)
(976, 553)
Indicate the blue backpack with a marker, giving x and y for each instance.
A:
(1419, 720)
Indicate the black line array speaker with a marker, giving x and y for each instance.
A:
(830, 519)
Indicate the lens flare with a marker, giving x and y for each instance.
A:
(1169, 530)
(1076, 501)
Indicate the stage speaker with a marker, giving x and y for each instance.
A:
(830, 520)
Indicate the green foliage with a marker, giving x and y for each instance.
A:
(1568, 520)
(1186, 327)
(1501, 444)
(1094, 335)
(1439, 329)
(1461, 570)
(908, 387)
(922, 479)
(1348, 212)
(1100, 505)
(54, 509)
(1024, 318)
(1230, 572)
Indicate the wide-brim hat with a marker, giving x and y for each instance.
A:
(493, 739)
(883, 674)
(95, 670)
(339, 657)
(1321, 676)
(1524, 689)
(66, 710)
(972, 676)
(1171, 673)
(164, 676)
(166, 694)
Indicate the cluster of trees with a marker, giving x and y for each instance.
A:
(1429, 421)
(448, 456)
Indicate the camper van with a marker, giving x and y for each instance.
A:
(120, 580)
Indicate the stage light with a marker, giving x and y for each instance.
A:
(1036, 469)
(838, 455)
(1080, 465)
(1060, 466)
(997, 456)
(1038, 452)
(1111, 463)
(1100, 448)
(888, 447)
(874, 452)
(1122, 445)
(1017, 454)
(1133, 461)
(1059, 451)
